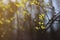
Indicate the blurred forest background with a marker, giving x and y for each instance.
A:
(29, 19)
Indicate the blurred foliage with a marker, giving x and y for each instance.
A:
(15, 15)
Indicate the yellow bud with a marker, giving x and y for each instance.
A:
(1, 22)
(42, 23)
(22, 5)
(39, 22)
(24, 12)
(17, 4)
(11, 18)
(41, 18)
(43, 15)
(42, 27)
(32, 3)
(36, 28)
(8, 21)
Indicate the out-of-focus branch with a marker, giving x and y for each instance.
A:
(48, 25)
